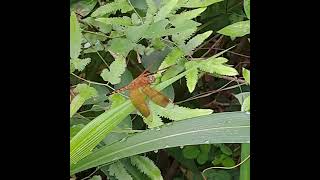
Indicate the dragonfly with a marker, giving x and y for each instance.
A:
(140, 87)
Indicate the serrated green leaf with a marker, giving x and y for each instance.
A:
(229, 127)
(75, 104)
(187, 15)
(121, 46)
(153, 120)
(246, 75)
(246, 104)
(172, 71)
(135, 173)
(117, 169)
(80, 64)
(157, 29)
(192, 76)
(158, 44)
(176, 113)
(246, 6)
(151, 11)
(147, 166)
(214, 174)
(112, 7)
(196, 41)
(135, 19)
(85, 91)
(190, 152)
(102, 27)
(216, 60)
(165, 10)
(200, 3)
(237, 29)
(134, 33)
(124, 21)
(180, 37)
(117, 68)
(218, 69)
(75, 37)
(171, 58)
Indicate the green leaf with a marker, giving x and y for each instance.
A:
(213, 174)
(157, 29)
(134, 33)
(246, 6)
(85, 91)
(205, 148)
(246, 75)
(171, 58)
(229, 127)
(190, 152)
(216, 65)
(192, 76)
(75, 104)
(147, 166)
(96, 178)
(124, 21)
(225, 149)
(172, 71)
(75, 129)
(187, 15)
(241, 97)
(153, 120)
(75, 37)
(83, 7)
(228, 162)
(117, 68)
(196, 41)
(135, 19)
(246, 104)
(112, 7)
(135, 173)
(237, 29)
(121, 46)
(165, 10)
(200, 3)
(151, 11)
(80, 64)
(202, 158)
(117, 169)
(176, 113)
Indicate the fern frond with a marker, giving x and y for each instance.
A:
(187, 15)
(192, 76)
(176, 113)
(196, 41)
(75, 36)
(200, 3)
(171, 58)
(124, 21)
(117, 170)
(112, 7)
(218, 66)
(80, 64)
(157, 29)
(181, 37)
(117, 68)
(147, 166)
(165, 10)
(152, 9)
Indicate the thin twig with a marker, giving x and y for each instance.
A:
(214, 44)
(231, 52)
(208, 93)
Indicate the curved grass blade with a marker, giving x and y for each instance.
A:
(229, 127)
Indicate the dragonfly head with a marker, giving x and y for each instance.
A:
(151, 78)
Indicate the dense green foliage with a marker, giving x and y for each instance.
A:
(196, 50)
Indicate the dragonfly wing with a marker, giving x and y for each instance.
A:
(156, 96)
(137, 99)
